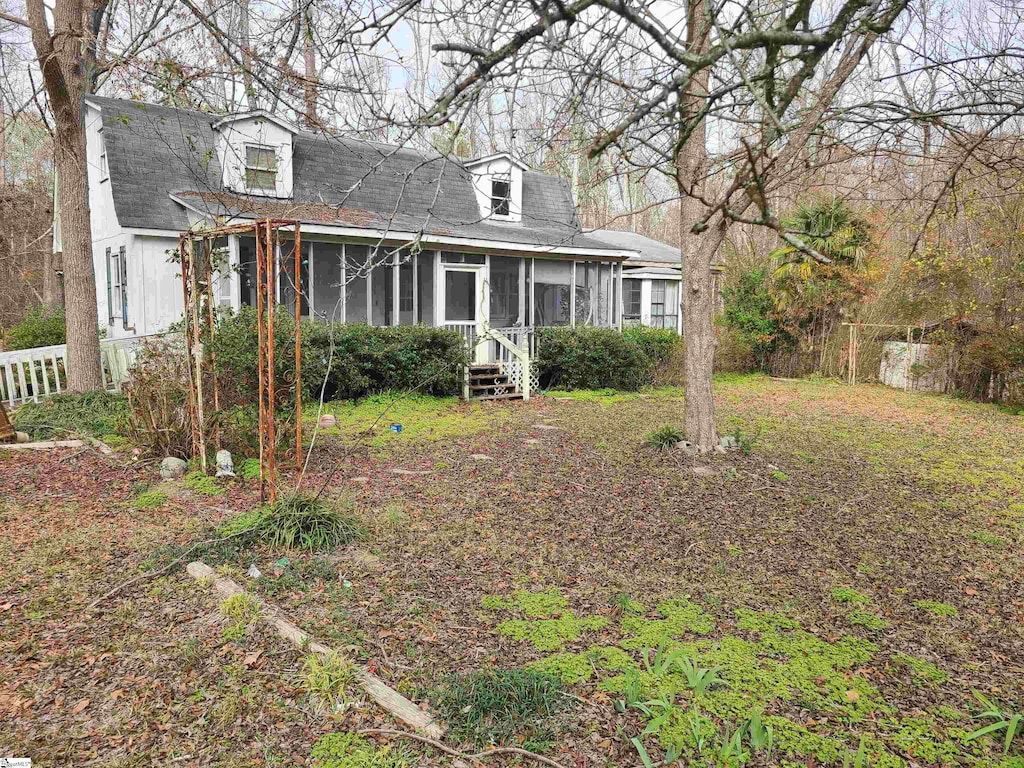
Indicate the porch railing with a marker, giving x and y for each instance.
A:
(512, 349)
(34, 374)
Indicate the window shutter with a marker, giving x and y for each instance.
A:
(123, 270)
(110, 292)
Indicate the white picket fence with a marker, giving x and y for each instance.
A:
(29, 375)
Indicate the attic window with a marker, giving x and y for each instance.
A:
(501, 194)
(260, 167)
(104, 170)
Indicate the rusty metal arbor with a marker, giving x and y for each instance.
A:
(197, 252)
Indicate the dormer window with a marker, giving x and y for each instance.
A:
(260, 168)
(501, 195)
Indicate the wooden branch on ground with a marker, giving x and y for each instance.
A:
(44, 445)
(441, 747)
(386, 697)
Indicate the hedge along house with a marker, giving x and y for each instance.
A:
(390, 235)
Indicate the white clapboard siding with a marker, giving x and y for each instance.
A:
(37, 373)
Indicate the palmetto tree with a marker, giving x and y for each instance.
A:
(829, 228)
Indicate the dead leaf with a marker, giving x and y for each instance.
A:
(79, 706)
(252, 657)
(852, 696)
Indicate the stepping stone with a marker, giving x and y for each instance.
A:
(481, 457)
(533, 441)
(400, 471)
(547, 427)
(359, 480)
(703, 471)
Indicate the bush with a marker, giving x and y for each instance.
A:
(657, 343)
(751, 314)
(157, 418)
(41, 327)
(592, 358)
(306, 522)
(366, 360)
(91, 414)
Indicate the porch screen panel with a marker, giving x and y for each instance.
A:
(671, 305)
(552, 283)
(247, 271)
(588, 306)
(505, 288)
(382, 285)
(406, 289)
(287, 285)
(604, 294)
(425, 286)
(327, 282)
(355, 283)
(631, 301)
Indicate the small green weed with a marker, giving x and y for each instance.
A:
(329, 677)
(243, 610)
(250, 469)
(664, 438)
(779, 475)
(935, 608)
(850, 596)
(988, 539)
(496, 706)
(866, 619)
(922, 671)
(203, 484)
(349, 750)
(150, 500)
(1005, 720)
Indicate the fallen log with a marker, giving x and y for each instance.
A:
(43, 445)
(386, 697)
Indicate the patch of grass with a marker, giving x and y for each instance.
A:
(203, 484)
(350, 750)
(330, 677)
(241, 608)
(544, 604)
(936, 608)
(305, 522)
(501, 706)
(850, 596)
(88, 415)
(988, 539)
(922, 671)
(609, 396)
(866, 619)
(422, 417)
(115, 441)
(250, 469)
(150, 499)
(664, 437)
(779, 475)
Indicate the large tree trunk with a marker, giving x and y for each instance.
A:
(64, 75)
(698, 249)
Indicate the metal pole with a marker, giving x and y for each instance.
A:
(188, 345)
(261, 354)
(208, 254)
(906, 362)
(197, 350)
(269, 253)
(298, 349)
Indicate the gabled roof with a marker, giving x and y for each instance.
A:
(494, 156)
(257, 114)
(154, 152)
(650, 251)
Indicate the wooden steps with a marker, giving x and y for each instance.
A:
(488, 382)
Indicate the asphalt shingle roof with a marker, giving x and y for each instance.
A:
(154, 152)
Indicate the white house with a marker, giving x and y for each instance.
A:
(390, 235)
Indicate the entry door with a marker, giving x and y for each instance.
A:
(464, 301)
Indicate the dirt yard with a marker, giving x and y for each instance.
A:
(851, 580)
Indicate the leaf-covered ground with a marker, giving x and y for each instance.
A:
(856, 577)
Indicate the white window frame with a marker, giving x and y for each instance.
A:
(258, 169)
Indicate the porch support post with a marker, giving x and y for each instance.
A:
(524, 365)
(522, 291)
(572, 296)
(396, 267)
(415, 288)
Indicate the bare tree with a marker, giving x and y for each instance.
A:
(718, 97)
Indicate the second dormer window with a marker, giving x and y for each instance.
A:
(501, 195)
(260, 168)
